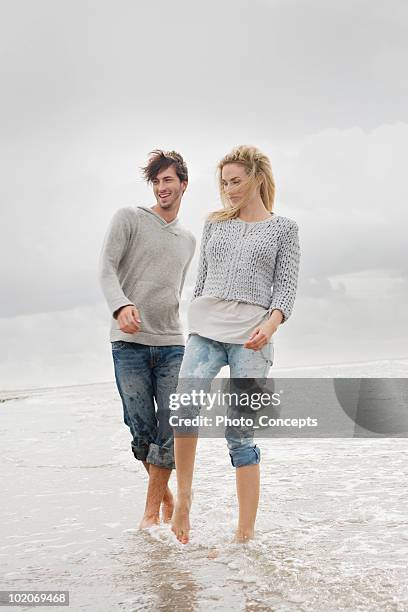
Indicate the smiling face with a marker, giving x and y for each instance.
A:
(234, 183)
(168, 189)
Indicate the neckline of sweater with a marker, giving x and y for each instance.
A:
(273, 216)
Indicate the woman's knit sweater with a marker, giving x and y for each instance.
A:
(256, 263)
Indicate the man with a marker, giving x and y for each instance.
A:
(143, 265)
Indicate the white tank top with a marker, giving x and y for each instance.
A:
(224, 320)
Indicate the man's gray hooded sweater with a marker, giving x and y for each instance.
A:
(144, 262)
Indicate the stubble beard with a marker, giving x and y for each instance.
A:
(170, 204)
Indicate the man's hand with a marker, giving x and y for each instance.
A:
(260, 336)
(129, 320)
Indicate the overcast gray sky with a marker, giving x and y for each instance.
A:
(89, 88)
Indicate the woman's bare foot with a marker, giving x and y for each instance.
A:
(149, 520)
(213, 553)
(243, 535)
(180, 524)
(167, 506)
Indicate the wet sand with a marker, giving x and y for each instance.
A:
(332, 528)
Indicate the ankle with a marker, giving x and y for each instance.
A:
(184, 499)
(151, 513)
(244, 533)
(168, 496)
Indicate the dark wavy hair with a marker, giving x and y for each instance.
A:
(161, 160)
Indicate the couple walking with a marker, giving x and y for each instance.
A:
(245, 288)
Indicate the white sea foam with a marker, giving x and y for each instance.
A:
(332, 527)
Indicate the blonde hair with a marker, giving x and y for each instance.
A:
(259, 170)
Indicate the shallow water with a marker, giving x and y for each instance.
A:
(332, 528)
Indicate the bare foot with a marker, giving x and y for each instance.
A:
(167, 506)
(180, 524)
(213, 553)
(149, 520)
(243, 535)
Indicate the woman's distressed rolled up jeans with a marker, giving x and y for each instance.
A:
(202, 361)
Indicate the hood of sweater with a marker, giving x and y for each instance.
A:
(172, 226)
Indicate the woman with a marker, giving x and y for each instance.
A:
(246, 250)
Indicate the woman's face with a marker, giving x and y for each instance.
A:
(233, 181)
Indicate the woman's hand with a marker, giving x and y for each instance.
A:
(260, 336)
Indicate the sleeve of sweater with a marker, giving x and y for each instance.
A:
(113, 249)
(202, 263)
(187, 266)
(285, 277)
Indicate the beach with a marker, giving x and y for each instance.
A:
(332, 527)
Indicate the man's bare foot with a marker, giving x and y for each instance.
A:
(243, 535)
(167, 506)
(180, 524)
(149, 520)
